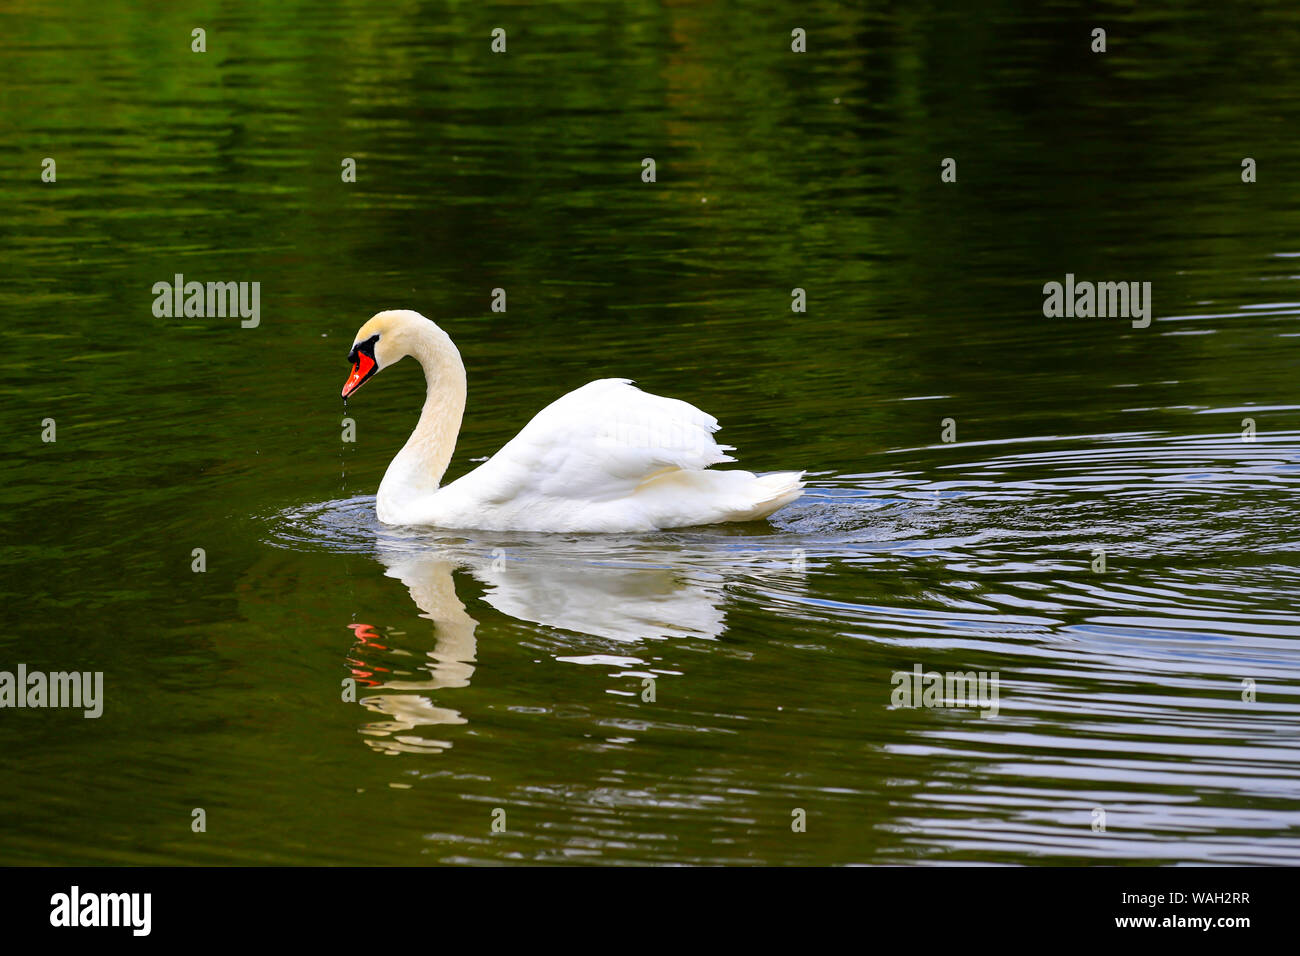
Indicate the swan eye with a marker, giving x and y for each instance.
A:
(367, 348)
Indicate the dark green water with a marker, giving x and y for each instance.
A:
(507, 671)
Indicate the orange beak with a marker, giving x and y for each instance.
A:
(364, 368)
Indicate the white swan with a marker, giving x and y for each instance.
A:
(605, 457)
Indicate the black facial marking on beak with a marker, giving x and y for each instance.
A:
(368, 347)
(364, 365)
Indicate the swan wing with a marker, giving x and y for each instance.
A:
(598, 443)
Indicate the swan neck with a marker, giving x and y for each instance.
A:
(419, 466)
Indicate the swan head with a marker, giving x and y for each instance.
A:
(385, 339)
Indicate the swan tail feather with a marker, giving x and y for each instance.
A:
(771, 493)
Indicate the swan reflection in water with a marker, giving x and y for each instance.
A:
(405, 703)
(615, 603)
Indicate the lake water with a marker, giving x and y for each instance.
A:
(1111, 530)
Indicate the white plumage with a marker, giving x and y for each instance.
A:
(605, 457)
